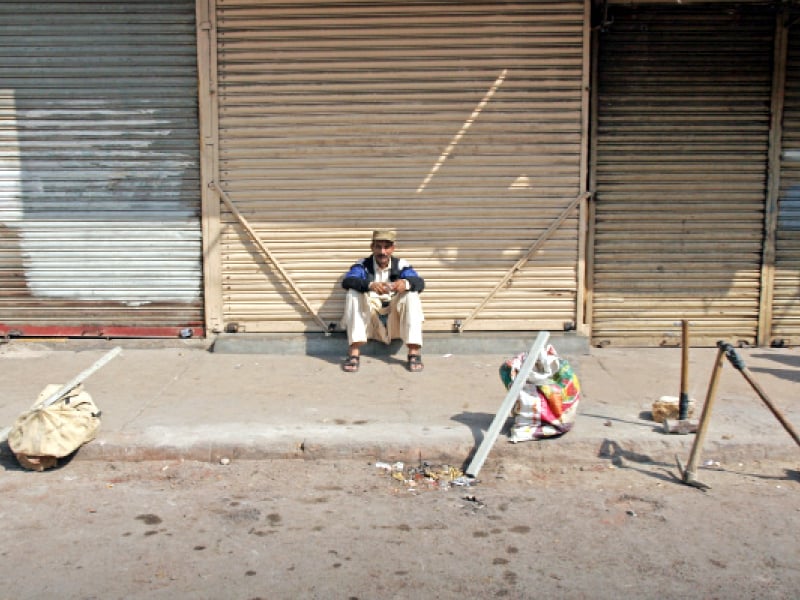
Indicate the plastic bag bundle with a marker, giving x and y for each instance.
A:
(548, 401)
(43, 434)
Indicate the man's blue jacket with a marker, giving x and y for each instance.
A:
(362, 273)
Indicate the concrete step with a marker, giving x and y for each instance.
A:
(568, 343)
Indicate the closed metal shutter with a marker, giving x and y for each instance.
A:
(457, 123)
(681, 154)
(786, 290)
(99, 178)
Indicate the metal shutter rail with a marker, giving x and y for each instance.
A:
(786, 290)
(99, 177)
(683, 123)
(340, 117)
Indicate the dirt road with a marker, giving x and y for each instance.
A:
(295, 529)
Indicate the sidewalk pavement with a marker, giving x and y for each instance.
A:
(177, 399)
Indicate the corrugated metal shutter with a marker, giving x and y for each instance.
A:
(786, 290)
(683, 124)
(99, 179)
(458, 123)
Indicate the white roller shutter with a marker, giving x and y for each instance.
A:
(99, 182)
(681, 154)
(457, 123)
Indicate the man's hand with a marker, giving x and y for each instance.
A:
(388, 287)
(381, 287)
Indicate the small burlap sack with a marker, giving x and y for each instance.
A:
(43, 434)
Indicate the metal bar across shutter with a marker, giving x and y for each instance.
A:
(458, 124)
(99, 178)
(681, 152)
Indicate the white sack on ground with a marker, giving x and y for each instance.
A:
(43, 434)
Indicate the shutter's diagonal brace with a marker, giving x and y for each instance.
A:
(460, 326)
(254, 236)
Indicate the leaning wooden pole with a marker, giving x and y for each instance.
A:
(689, 474)
(738, 364)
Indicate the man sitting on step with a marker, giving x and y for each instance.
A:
(383, 302)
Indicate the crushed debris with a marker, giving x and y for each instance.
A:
(426, 476)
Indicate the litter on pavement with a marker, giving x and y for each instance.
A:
(426, 476)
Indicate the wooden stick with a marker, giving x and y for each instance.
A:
(739, 365)
(683, 398)
(691, 469)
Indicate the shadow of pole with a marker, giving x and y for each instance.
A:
(478, 423)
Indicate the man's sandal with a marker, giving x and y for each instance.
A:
(415, 363)
(351, 363)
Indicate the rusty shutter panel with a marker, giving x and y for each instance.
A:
(99, 178)
(459, 124)
(683, 124)
(786, 290)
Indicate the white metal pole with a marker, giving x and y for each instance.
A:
(505, 408)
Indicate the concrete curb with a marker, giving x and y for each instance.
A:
(439, 446)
